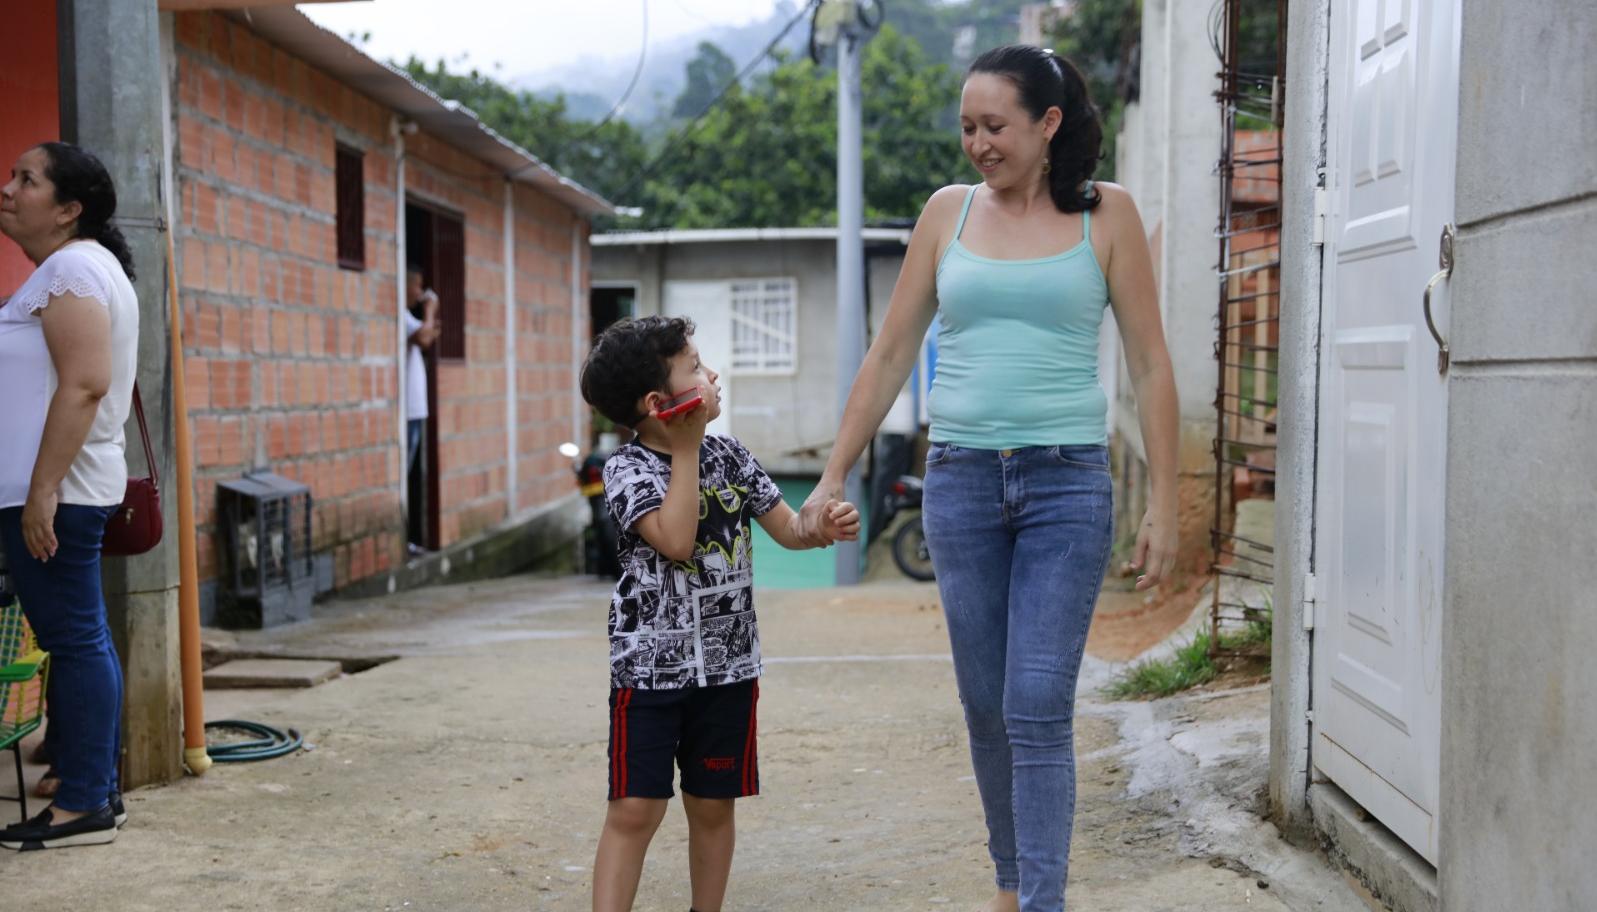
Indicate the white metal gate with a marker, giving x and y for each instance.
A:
(1392, 141)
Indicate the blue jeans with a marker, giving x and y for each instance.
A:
(62, 601)
(1020, 541)
(414, 428)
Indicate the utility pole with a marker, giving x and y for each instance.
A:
(842, 22)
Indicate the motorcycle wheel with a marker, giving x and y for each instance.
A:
(909, 551)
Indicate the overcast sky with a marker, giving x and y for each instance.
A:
(525, 35)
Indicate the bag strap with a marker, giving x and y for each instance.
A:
(144, 432)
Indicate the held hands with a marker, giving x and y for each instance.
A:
(1155, 553)
(839, 521)
(816, 507)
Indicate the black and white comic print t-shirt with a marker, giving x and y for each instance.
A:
(676, 624)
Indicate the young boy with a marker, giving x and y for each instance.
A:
(684, 650)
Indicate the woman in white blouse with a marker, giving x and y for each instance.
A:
(68, 349)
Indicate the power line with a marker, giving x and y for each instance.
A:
(643, 54)
(688, 129)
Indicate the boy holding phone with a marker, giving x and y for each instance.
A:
(684, 648)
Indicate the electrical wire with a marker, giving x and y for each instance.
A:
(637, 72)
(687, 130)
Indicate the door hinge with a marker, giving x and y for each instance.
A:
(1309, 596)
(1322, 208)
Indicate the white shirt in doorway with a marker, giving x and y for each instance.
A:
(415, 373)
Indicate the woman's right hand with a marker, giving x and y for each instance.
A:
(38, 524)
(813, 512)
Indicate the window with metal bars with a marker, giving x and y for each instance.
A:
(764, 326)
(350, 190)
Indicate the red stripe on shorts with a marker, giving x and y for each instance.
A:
(618, 745)
(750, 753)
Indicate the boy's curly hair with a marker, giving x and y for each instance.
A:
(629, 360)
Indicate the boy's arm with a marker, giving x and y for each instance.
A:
(781, 523)
(673, 529)
(840, 523)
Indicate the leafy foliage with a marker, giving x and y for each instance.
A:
(603, 159)
(766, 155)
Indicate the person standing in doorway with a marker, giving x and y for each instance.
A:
(421, 327)
(1022, 267)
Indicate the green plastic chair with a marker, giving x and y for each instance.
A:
(23, 671)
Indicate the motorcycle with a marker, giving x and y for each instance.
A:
(599, 552)
(909, 542)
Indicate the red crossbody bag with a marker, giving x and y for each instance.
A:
(135, 527)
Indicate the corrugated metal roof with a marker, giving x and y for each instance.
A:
(713, 235)
(448, 120)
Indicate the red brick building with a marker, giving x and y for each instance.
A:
(307, 175)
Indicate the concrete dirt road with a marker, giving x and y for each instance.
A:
(470, 773)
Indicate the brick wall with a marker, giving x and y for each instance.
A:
(291, 361)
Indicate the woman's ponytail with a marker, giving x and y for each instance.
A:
(81, 178)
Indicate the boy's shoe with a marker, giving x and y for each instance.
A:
(119, 811)
(97, 828)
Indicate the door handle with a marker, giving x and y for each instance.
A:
(1446, 262)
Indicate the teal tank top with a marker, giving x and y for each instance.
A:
(1017, 354)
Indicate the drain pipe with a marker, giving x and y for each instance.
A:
(398, 129)
(191, 669)
(578, 416)
(188, 589)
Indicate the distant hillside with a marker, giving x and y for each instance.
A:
(593, 84)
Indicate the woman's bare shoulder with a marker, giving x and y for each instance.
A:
(945, 198)
(1113, 196)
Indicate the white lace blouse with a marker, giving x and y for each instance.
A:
(28, 380)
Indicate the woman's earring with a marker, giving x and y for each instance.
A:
(1046, 167)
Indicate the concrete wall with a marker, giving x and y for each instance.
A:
(1519, 738)
(113, 95)
(1166, 157)
(292, 361)
(1297, 400)
(788, 421)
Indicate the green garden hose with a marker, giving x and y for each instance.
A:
(271, 743)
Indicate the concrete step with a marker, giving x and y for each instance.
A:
(244, 673)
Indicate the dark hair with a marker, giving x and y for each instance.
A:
(1047, 80)
(80, 178)
(413, 269)
(630, 360)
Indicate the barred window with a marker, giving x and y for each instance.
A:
(764, 326)
(350, 191)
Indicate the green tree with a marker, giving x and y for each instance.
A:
(767, 154)
(603, 158)
(708, 71)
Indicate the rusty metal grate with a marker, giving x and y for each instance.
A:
(1249, 37)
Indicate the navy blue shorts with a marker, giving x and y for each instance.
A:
(707, 732)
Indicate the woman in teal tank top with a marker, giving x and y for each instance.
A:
(1017, 500)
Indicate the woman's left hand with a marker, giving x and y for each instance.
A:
(1155, 554)
(38, 525)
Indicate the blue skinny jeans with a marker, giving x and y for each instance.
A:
(64, 605)
(1020, 541)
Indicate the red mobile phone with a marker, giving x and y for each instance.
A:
(681, 403)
